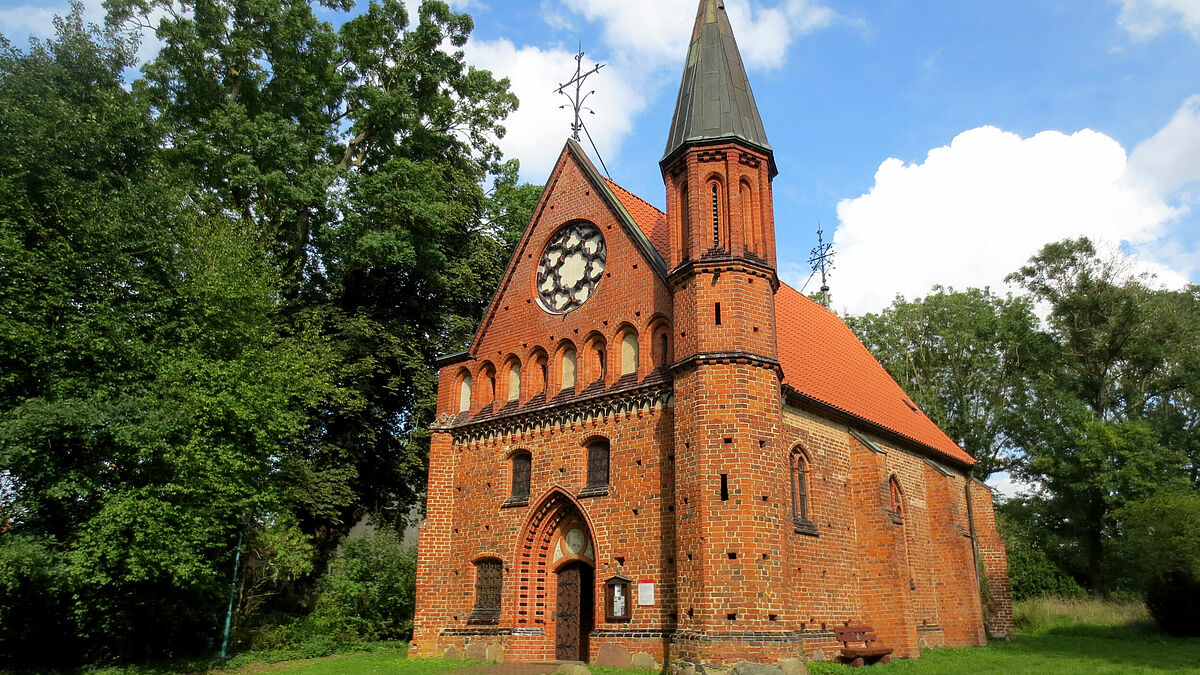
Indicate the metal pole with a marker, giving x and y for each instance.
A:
(237, 560)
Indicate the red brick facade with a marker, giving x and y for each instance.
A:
(763, 511)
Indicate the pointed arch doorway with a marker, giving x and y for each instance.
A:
(556, 580)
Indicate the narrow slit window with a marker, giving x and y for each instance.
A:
(716, 214)
(724, 487)
(717, 313)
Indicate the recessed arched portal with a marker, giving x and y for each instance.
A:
(555, 576)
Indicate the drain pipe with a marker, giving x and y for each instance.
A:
(979, 576)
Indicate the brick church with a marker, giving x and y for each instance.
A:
(654, 446)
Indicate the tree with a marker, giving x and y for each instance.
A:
(357, 157)
(1106, 419)
(959, 354)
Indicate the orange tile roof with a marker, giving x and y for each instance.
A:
(824, 360)
(652, 222)
(821, 357)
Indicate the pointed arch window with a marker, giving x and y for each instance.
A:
(489, 575)
(895, 501)
(800, 493)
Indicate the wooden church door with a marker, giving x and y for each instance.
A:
(573, 622)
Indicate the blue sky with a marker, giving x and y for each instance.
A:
(937, 141)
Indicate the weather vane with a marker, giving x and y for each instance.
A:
(578, 98)
(821, 259)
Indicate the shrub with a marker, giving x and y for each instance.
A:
(1173, 599)
(369, 591)
(1164, 530)
(1031, 573)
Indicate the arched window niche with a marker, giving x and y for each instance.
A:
(630, 357)
(753, 231)
(568, 368)
(514, 380)
(464, 392)
(799, 465)
(487, 385)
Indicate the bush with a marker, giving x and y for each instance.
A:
(1031, 573)
(1173, 599)
(1164, 531)
(369, 592)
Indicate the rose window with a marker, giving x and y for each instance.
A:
(571, 267)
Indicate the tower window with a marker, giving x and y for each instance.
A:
(717, 313)
(716, 211)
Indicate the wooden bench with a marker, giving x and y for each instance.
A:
(864, 655)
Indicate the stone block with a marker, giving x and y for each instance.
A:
(750, 668)
(452, 652)
(792, 667)
(683, 668)
(476, 651)
(818, 655)
(495, 653)
(613, 656)
(643, 661)
(573, 669)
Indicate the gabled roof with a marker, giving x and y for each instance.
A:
(715, 101)
(824, 361)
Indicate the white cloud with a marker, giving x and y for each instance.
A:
(537, 130)
(1170, 159)
(975, 210)
(656, 33)
(20, 23)
(1145, 19)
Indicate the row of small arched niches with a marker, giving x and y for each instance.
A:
(569, 366)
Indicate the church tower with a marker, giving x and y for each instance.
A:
(730, 503)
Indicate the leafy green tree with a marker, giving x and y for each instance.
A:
(1105, 421)
(959, 354)
(357, 156)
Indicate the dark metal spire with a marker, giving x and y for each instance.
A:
(715, 101)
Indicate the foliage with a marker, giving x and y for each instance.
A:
(959, 355)
(1031, 574)
(1164, 541)
(369, 593)
(221, 292)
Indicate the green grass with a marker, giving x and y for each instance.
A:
(1056, 636)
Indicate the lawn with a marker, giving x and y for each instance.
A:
(1091, 637)
(1081, 648)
